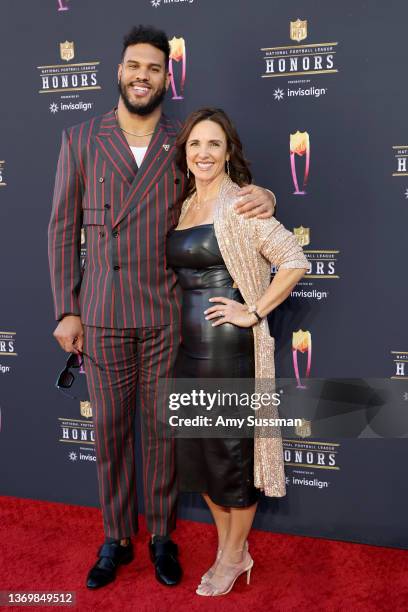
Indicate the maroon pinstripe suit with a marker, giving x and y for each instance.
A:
(127, 299)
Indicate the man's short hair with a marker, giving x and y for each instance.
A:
(148, 35)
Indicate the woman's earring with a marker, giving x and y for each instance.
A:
(188, 172)
(228, 167)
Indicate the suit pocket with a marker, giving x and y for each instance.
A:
(93, 216)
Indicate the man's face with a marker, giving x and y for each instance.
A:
(143, 79)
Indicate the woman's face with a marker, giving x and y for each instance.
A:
(206, 150)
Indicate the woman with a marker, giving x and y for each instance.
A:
(223, 264)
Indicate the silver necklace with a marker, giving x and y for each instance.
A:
(198, 205)
(131, 133)
(137, 135)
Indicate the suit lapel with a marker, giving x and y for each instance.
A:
(114, 147)
(160, 151)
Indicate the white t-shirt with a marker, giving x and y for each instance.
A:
(138, 154)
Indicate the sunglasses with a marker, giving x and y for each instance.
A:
(66, 377)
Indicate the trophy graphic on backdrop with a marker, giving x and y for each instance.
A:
(299, 146)
(62, 5)
(177, 54)
(302, 343)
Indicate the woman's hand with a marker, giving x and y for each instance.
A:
(229, 311)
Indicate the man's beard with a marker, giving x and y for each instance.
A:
(146, 109)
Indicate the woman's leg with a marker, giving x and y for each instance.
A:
(235, 558)
(241, 520)
(221, 516)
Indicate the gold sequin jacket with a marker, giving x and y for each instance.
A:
(248, 247)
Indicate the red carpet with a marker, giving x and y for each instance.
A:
(48, 546)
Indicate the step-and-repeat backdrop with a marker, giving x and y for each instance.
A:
(317, 89)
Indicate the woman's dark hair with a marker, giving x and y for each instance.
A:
(149, 35)
(239, 166)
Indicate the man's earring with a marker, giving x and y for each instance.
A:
(188, 172)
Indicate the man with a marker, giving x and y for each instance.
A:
(118, 179)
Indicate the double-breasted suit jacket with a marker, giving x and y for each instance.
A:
(126, 213)
(128, 301)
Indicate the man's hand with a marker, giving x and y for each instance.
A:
(255, 202)
(70, 334)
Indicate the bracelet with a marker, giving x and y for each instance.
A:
(258, 316)
(253, 310)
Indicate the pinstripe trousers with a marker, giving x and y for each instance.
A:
(128, 359)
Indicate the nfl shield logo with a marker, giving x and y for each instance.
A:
(67, 51)
(304, 430)
(86, 409)
(298, 30)
(302, 235)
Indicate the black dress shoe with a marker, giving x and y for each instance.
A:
(110, 556)
(167, 566)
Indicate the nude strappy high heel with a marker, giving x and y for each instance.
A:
(209, 573)
(225, 576)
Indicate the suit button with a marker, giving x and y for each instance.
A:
(107, 206)
(101, 234)
(116, 267)
(101, 179)
(115, 233)
(177, 181)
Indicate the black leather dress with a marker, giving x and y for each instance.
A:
(222, 468)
